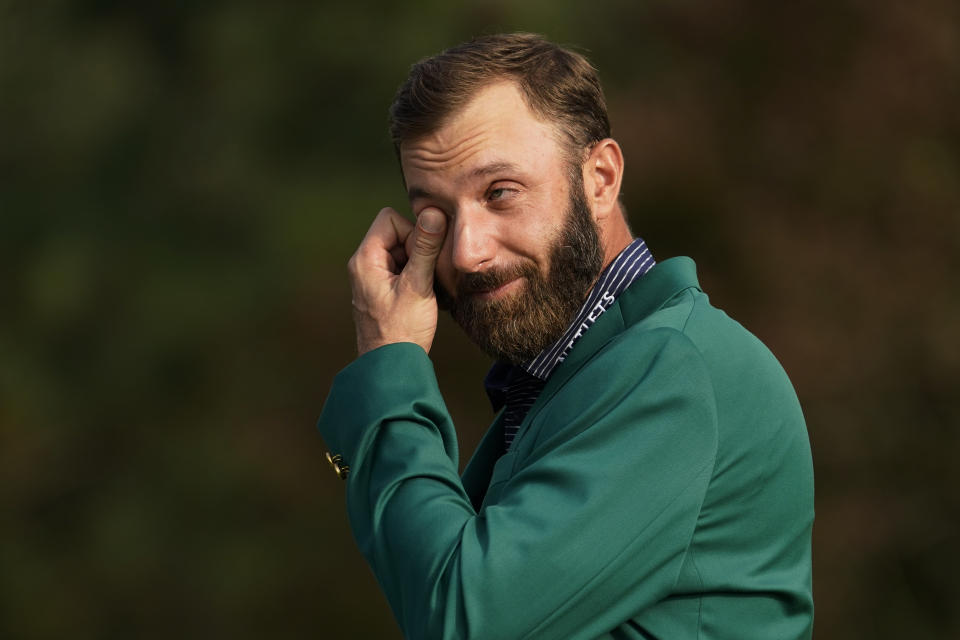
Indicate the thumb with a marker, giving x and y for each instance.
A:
(427, 240)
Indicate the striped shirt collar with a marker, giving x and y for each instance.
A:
(634, 261)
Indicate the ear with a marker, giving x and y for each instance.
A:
(602, 173)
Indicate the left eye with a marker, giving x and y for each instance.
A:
(496, 194)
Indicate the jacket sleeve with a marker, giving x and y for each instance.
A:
(589, 526)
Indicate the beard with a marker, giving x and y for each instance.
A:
(520, 326)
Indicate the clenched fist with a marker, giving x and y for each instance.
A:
(391, 275)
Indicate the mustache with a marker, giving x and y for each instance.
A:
(492, 278)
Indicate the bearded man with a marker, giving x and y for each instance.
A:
(648, 474)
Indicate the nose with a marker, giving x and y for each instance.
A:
(472, 239)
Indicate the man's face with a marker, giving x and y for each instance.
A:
(522, 248)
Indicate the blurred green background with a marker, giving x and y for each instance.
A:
(181, 184)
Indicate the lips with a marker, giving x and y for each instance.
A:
(473, 287)
(487, 281)
(496, 283)
(497, 290)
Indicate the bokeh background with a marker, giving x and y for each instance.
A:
(182, 183)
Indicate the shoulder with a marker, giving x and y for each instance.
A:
(642, 377)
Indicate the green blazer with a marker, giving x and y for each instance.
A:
(660, 487)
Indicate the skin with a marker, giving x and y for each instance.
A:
(489, 189)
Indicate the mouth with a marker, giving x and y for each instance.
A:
(499, 291)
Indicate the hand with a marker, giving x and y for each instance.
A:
(391, 274)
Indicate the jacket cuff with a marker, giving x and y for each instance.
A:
(379, 383)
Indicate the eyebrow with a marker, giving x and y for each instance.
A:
(493, 167)
(480, 172)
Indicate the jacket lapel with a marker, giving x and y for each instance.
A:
(642, 298)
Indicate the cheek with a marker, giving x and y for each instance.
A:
(534, 232)
(534, 242)
(444, 271)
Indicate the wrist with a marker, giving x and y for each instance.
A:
(366, 345)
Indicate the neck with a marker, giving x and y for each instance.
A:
(614, 237)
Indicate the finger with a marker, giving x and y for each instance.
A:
(383, 246)
(422, 251)
(399, 256)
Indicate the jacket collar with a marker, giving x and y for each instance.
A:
(642, 298)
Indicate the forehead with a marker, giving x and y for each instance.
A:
(495, 128)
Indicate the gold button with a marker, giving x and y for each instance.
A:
(336, 463)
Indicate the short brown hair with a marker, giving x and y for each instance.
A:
(558, 85)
